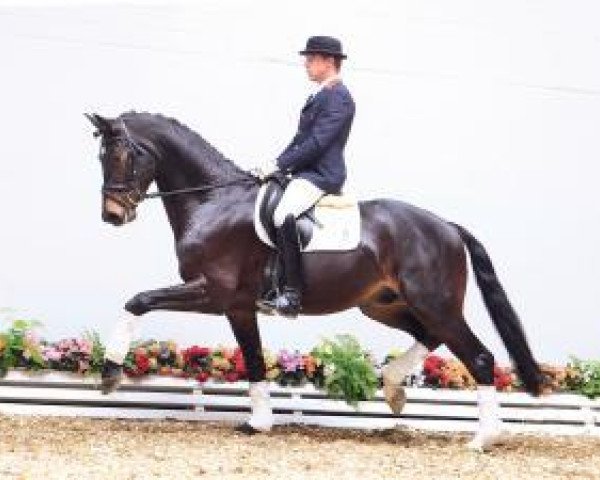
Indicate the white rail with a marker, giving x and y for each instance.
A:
(63, 394)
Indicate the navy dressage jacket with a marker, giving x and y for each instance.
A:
(316, 152)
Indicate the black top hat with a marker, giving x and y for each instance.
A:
(325, 45)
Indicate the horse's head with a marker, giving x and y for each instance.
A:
(128, 168)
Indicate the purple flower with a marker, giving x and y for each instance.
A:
(290, 362)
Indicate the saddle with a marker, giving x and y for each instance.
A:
(332, 224)
(275, 186)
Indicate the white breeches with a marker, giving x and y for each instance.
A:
(298, 197)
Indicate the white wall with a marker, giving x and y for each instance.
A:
(486, 113)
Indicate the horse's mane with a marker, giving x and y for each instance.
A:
(189, 137)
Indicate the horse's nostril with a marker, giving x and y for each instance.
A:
(112, 218)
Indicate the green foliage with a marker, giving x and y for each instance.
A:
(98, 350)
(348, 372)
(586, 378)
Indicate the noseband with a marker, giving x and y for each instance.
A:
(128, 192)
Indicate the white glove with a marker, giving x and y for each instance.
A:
(265, 169)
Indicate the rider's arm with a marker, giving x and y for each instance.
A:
(328, 125)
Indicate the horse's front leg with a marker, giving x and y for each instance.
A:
(190, 296)
(245, 330)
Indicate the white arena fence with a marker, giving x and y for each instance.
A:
(64, 394)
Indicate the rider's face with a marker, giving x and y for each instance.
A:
(318, 67)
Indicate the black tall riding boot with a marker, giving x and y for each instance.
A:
(288, 302)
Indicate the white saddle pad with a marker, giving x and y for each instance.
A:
(337, 228)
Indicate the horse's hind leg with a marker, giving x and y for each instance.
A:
(459, 338)
(396, 371)
(480, 363)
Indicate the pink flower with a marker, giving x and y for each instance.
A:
(50, 354)
(85, 347)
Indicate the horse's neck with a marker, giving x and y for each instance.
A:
(179, 168)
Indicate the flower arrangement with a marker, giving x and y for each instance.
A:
(227, 364)
(20, 347)
(348, 371)
(154, 357)
(295, 368)
(340, 366)
(196, 363)
(70, 354)
(439, 372)
(583, 376)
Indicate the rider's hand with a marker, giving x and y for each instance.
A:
(265, 169)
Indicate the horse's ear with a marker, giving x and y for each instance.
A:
(103, 124)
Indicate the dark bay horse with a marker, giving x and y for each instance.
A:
(409, 271)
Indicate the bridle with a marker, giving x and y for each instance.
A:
(128, 193)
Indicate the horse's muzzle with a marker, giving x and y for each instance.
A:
(116, 213)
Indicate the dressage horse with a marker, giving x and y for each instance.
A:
(408, 272)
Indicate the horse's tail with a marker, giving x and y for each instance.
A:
(503, 315)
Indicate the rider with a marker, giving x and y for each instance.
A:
(314, 159)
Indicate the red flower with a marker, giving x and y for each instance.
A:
(142, 363)
(444, 379)
(202, 377)
(433, 365)
(192, 354)
(502, 378)
(232, 377)
(240, 366)
(197, 351)
(202, 351)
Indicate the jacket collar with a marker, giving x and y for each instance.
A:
(327, 83)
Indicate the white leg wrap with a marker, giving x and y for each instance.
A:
(395, 372)
(262, 415)
(126, 329)
(490, 425)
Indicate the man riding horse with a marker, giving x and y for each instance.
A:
(409, 270)
(314, 159)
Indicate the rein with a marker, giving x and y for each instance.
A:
(204, 188)
(133, 145)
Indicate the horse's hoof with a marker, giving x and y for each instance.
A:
(395, 396)
(112, 373)
(246, 429)
(484, 441)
